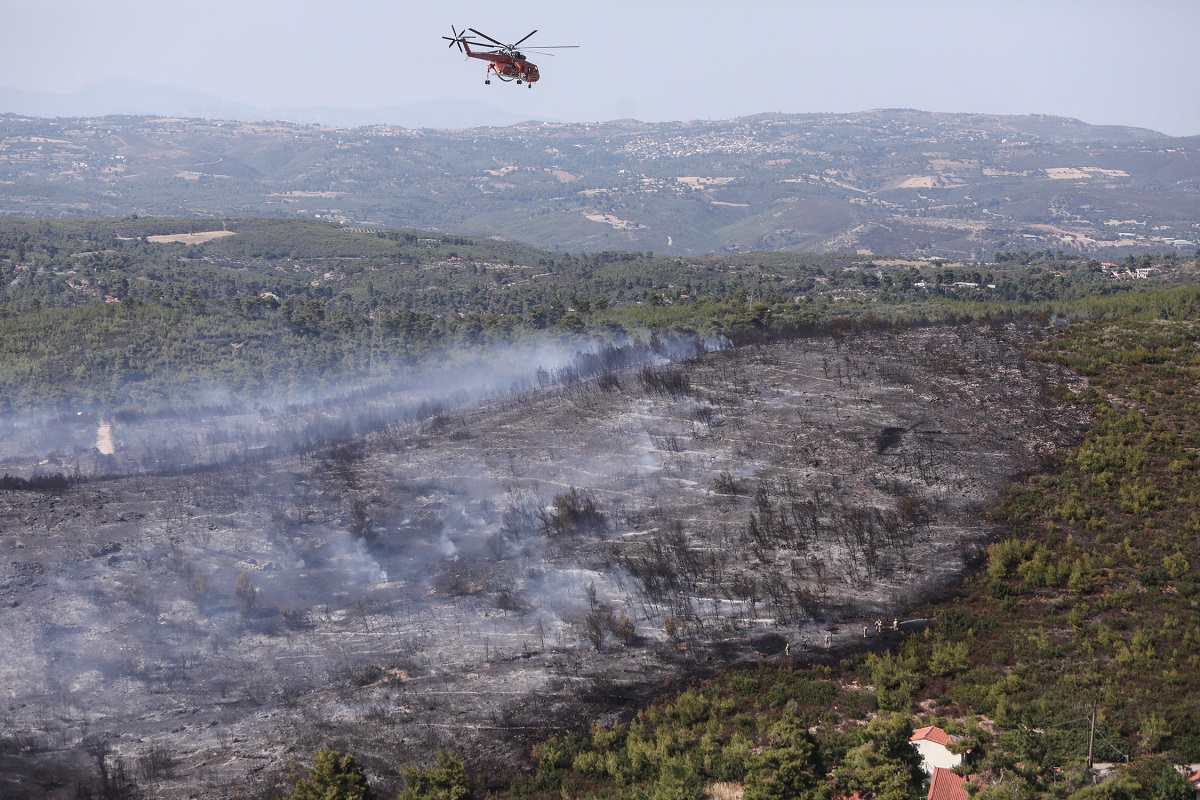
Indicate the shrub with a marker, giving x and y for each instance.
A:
(447, 779)
(726, 484)
(334, 776)
(666, 381)
(366, 675)
(573, 512)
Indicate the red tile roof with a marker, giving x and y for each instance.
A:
(946, 784)
(933, 734)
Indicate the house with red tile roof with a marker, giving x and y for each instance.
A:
(933, 744)
(946, 784)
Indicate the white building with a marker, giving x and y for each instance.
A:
(933, 744)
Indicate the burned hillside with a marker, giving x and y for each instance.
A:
(517, 564)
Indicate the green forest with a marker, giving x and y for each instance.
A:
(95, 313)
(1087, 606)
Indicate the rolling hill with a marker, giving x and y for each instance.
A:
(878, 182)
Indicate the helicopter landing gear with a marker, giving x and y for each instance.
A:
(487, 82)
(518, 81)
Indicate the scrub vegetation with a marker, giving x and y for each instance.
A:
(651, 566)
(94, 314)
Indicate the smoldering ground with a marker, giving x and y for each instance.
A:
(214, 427)
(520, 563)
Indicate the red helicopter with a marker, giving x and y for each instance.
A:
(507, 62)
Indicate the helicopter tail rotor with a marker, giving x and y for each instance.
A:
(458, 39)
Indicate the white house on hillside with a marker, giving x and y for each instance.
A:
(933, 744)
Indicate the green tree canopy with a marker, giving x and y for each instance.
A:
(789, 767)
(1141, 779)
(447, 779)
(334, 776)
(885, 766)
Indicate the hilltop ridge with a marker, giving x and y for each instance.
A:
(877, 182)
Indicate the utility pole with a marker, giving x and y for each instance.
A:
(1091, 736)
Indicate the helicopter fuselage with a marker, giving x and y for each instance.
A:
(508, 66)
(505, 60)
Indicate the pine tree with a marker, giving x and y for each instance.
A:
(334, 776)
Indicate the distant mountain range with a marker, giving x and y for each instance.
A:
(133, 98)
(884, 182)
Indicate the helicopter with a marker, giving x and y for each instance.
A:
(505, 60)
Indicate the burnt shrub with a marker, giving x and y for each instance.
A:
(520, 518)
(39, 483)
(293, 619)
(157, 763)
(725, 483)
(666, 381)
(20, 743)
(573, 511)
(608, 381)
(366, 675)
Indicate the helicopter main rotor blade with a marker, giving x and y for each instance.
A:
(518, 44)
(497, 42)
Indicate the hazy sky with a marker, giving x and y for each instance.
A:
(1126, 62)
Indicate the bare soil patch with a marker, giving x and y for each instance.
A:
(191, 238)
(616, 222)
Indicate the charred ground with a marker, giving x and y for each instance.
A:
(507, 567)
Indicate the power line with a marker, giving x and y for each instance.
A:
(1114, 747)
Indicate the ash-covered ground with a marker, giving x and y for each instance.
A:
(504, 568)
